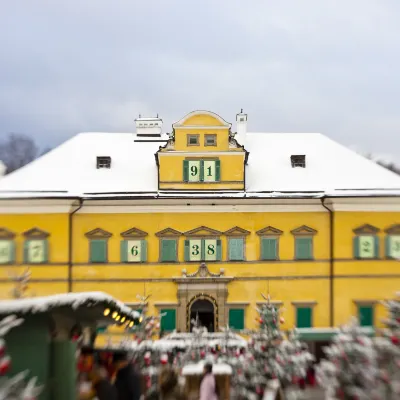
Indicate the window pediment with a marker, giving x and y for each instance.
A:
(366, 229)
(269, 231)
(134, 233)
(6, 234)
(36, 233)
(203, 231)
(168, 232)
(98, 233)
(236, 231)
(393, 229)
(304, 230)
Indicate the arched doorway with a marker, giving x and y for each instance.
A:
(204, 310)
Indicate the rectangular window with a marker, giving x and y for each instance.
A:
(304, 317)
(201, 170)
(203, 250)
(269, 248)
(193, 140)
(236, 249)
(236, 318)
(210, 140)
(98, 251)
(366, 246)
(168, 321)
(169, 250)
(36, 251)
(7, 251)
(366, 315)
(393, 246)
(133, 250)
(304, 250)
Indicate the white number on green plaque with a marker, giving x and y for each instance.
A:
(36, 251)
(394, 250)
(367, 248)
(134, 250)
(5, 251)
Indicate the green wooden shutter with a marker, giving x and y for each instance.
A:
(303, 248)
(143, 251)
(98, 251)
(185, 170)
(366, 315)
(26, 251)
(124, 251)
(387, 247)
(219, 250)
(304, 317)
(203, 250)
(45, 251)
(168, 250)
(376, 247)
(187, 250)
(356, 246)
(268, 248)
(236, 249)
(218, 170)
(201, 170)
(12, 252)
(168, 321)
(236, 318)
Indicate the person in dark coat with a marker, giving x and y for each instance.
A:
(127, 381)
(103, 388)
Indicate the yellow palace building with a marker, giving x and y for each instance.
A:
(206, 219)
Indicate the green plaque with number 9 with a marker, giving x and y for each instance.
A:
(194, 171)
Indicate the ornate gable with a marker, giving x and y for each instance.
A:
(169, 232)
(393, 229)
(366, 229)
(6, 234)
(236, 231)
(203, 272)
(134, 233)
(304, 230)
(98, 233)
(269, 231)
(36, 233)
(203, 231)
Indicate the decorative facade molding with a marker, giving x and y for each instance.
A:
(203, 231)
(236, 231)
(304, 230)
(203, 272)
(134, 233)
(366, 229)
(98, 233)
(168, 232)
(393, 229)
(269, 231)
(6, 234)
(36, 233)
(300, 303)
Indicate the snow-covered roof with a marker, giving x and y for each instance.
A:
(37, 305)
(197, 369)
(70, 169)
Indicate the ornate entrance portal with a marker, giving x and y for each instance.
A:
(203, 293)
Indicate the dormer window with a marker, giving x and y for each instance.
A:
(210, 140)
(193, 140)
(103, 162)
(298, 161)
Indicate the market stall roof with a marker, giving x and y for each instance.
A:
(88, 306)
(198, 369)
(326, 334)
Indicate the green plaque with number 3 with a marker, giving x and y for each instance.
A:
(367, 249)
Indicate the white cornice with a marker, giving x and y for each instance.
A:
(37, 206)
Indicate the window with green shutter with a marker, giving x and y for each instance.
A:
(169, 251)
(199, 170)
(366, 246)
(7, 251)
(236, 318)
(303, 317)
(168, 321)
(134, 250)
(98, 250)
(392, 246)
(366, 315)
(304, 248)
(269, 248)
(236, 249)
(203, 249)
(36, 251)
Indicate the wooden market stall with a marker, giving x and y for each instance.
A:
(46, 343)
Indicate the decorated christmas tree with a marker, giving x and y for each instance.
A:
(14, 388)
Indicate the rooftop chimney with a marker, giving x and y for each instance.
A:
(148, 126)
(241, 128)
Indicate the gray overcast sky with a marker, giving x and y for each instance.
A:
(329, 66)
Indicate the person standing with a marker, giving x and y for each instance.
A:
(208, 386)
(127, 381)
